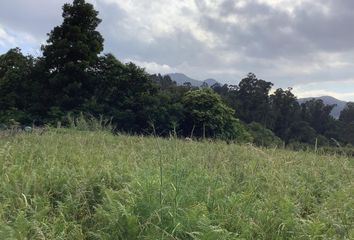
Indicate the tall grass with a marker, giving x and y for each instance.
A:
(69, 184)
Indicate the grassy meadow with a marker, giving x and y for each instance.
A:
(70, 184)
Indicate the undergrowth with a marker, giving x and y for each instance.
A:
(70, 184)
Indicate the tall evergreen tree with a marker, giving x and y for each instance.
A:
(285, 111)
(252, 100)
(70, 54)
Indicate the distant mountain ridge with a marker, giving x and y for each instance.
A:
(181, 78)
(328, 100)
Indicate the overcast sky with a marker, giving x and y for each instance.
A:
(304, 44)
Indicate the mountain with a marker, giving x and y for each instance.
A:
(181, 78)
(210, 81)
(329, 101)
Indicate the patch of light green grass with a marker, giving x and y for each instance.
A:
(69, 184)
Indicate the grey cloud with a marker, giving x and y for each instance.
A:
(265, 33)
(331, 31)
(277, 45)
(176, 48)
(36, 16)
(269, 32)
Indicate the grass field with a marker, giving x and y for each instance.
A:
(69, 184)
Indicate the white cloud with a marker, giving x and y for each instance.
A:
(290, 5)
(323, 92)
(154, 19)
(153, 67)
(6, 39)
(10, 39)
(340, 89)
(311, 64)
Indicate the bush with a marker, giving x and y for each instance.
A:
(263, 136)
(206, 115)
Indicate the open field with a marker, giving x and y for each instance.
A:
(68, 184)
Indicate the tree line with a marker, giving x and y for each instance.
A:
(73, 77)
(281, 112)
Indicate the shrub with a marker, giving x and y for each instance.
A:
(263, 136)
(208, 116)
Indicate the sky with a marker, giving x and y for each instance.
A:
(304, 44)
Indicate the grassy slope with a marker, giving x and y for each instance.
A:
(67, 184)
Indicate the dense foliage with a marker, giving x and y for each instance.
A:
(210, 117)
(280, 112)
(74, 77)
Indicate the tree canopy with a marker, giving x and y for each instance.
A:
(71, 54)
(209, 116)
(74, 77)
(347, 115)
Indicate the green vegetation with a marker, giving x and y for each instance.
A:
(74, 77)
(72, 184)
(209, 116)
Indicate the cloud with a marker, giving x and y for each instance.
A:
(35, 16)
(9, 39)
(324, 92)
(6, 39)
(340, 88)
(288, 42)
(153, 67)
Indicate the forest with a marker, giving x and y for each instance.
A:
(74, 77)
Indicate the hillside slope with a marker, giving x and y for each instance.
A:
(181, 78)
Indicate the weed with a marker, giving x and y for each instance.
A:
(70, 184)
